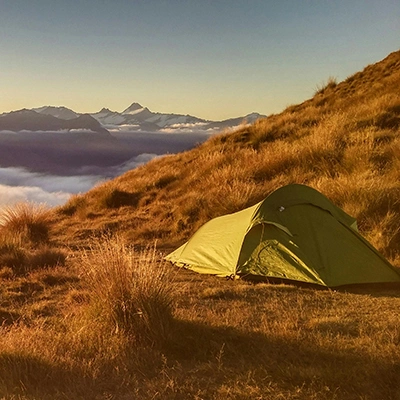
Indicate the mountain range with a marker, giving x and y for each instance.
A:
(133, 119)
(58, 140)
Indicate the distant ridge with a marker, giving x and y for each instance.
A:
(134, 118)
(58, 112)
(29, 120)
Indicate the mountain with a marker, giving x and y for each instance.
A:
(29, 120)
(132, 119)
(134, 108)
(235, 122)
(86, 121)
(57, 140)
(58, 112)
(143, 114)
(139, 118)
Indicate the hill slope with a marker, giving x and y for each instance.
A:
(345, 142)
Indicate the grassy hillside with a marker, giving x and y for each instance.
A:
(89, 310)
(345, 142)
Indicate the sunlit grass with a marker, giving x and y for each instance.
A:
(130, 289)
(25, 238)
(25, 222)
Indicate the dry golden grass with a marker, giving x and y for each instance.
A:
(25, 239)
(26, 223)
(130, 290)
(219, 339)
(228, 340)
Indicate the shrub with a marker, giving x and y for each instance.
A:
(130, 290)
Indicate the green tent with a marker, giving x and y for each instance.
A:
(294, 234)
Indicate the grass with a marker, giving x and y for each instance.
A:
(228, 340)
(106, 321)
(329, 84)
(26, 222)
(25, 239)
(130, 290)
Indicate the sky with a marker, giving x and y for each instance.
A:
(215, 59)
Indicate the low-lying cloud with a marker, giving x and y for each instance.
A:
(18, 184)
(49, 167)
(10, 195)
(16, 176)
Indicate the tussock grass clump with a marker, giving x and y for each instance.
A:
(75, 204)
(25, 239)
(47, 256)
(115, 198)
(12, 256)
(329, 84)
(129, 289)
(26, 222)
(22, 260)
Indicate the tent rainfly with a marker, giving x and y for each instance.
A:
(295, 234)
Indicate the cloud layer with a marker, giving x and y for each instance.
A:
(10, 195)
(21, 185)
(49, 167)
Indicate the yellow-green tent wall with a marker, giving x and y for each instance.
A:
(295, 234)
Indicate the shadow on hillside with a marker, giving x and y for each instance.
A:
(8, 317)
(24, 374)
(291, 363)
(200, 358)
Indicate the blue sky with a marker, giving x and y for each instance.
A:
(213, 59)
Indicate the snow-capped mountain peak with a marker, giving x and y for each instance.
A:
(134, 108)
(105, 111)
